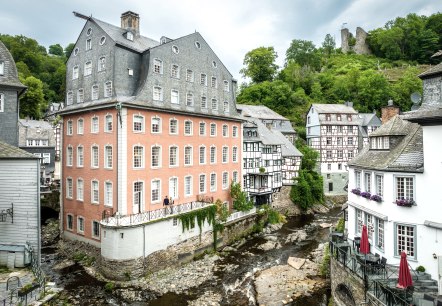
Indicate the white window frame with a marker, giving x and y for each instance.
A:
(235, 176)
(157, 93)
(108, 194)
(190, 77)
(188, 186)
(88, 44)
(157, 66)
(80, 156)
(408, 243)
(95, 128)
(108, 123)
(202, 128)
(2, 103)
(138, 194)
(225, 180)
(226, 86)
(155, 125)
(213, 182)
(203, 79)
(202, 152)
(69, 222)
(46, 158)
(226, 106)
(95, 92)
(234, 154)
(188, 128)
(379, 184)
(80, 189)
(189, 99)
(69, 128)
(188, 155)
(213, 82)
(202, 183)
(69, 187)
(95, 191)
(101, 63)
(175, 71)
(212, 154)
(158, 196)
(234, 131)
(80, 95)
(367, 181)
(88, 68)
(141, 157)
(93, 224)
(225, 130)
(203, 102)
(75, 72)
(213, 128)
(70, 98)
(2, 68)
(173, 188)
(138, 119)
(171, 158)
(80, 225)
(225, 155)
(175, 96)
(357, 179)
(69, 156)
(108, 89)
(95, 159)
(108, 156)
(159, 161)
(171, 132)
(214, 105)
(407, 193)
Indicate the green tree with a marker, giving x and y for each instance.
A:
(32, 103)
(408, 83)
(329, 45)
(260, 64)
(304, 53)
(56, 50)
(373, 91)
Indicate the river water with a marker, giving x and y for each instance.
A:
(234, 285)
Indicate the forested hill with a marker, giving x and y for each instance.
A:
(401, 50)
(41, 71)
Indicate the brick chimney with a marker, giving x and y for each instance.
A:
(389, 111)
(130, 21)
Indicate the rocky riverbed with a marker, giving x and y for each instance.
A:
(254, 271)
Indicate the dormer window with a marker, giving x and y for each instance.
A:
(380, 143)
(349, 118)
(338, 117)
(130, 36)
(327, 117)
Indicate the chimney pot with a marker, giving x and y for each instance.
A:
(130, 21)
(389, 111)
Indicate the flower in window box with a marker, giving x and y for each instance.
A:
(366, 194)
(405, 202)
(356, 191)
(376, 198)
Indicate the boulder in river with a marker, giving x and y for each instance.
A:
(296, 262)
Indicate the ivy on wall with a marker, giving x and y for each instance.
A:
(201, 215)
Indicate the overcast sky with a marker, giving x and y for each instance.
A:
(231, 27)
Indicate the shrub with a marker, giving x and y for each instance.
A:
(325, 265)
(262, 169)
(341, 225)
(420, 269)
(109, 287)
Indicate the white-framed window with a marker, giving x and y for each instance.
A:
(173, 188)
(225, 182)
(225, 130)
(108, 123)
(108, 89)
(328, 128)
(69, 98)
(102, 63)
(339, 141)
(80, 156)
(189, 75)
(202, 155)
(173, 156)
(379, 182)
(203, 102)
(358, 179)
(212, 154)
(213, 129)
(88, 44)
(46, 158)
(70, 222)
(138, 200)
(2, 68)
(202, 183)
(386, 142)
(340, 154)
(404, 187)
(405, 240)
(80, 223)
(214, 83)
(188, 127)
(175, 71)
(80, 95)
(158, 66)
(94, 156)
(129, 36)
(226, 86)
(95, 229)
(156, 191)
(226, 106)
(95, 125)
(173, 126)
(138, 125)
(2, 103)
(380, 233)
(174, 96)
(95, 192)
(108, 194)
(212, 182)
(138, 157)
(350, 141)
(225, 154)
(80, 189)
(202, 129)
(234, 131)
(188, 185)
(188, 155)
(203, 79)
(108, 157)
(69, 128)
(157, 93)
(75, 72)
(235, 176)
(88, 68)
(235, 154)
(69, 188)
(156, 156)
(69, 156)
(370, 226)
(94, 95)
(350, 154)
(367, 181)
(214, 104)
(359, 221)
(189, 99)
(155, 125)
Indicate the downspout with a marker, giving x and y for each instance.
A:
(38, 214)
(144, 248)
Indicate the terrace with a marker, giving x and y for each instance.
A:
(379, 278)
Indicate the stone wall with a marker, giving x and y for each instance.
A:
(360, 46)
(176, 254)
(341, 278)
(283, 204)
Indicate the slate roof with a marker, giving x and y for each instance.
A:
(333, 109)
(139, 44)
(287, 148)
(258, 111)
(44, 125)
(406, 156)
(10, 152)
(265, 135)
(10, 76)
(432, 71)
(370, 119)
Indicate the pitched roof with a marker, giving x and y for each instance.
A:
(430, 72)
(10, 76)
(258, 111)
(333, 109)
(139, 43)
(406, 156)
(265, 135)
(10, 152)
(287, 148)
(370, 119)
(44, 125)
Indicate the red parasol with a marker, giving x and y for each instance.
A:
(365, 245)
(405, 279)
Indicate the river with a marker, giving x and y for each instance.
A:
(234, 284)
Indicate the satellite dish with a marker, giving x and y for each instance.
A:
(416, 97)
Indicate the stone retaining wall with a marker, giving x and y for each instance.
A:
(340, 278)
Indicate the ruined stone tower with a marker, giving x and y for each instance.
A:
(356, 44)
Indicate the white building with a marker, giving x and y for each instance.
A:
(403, 166)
